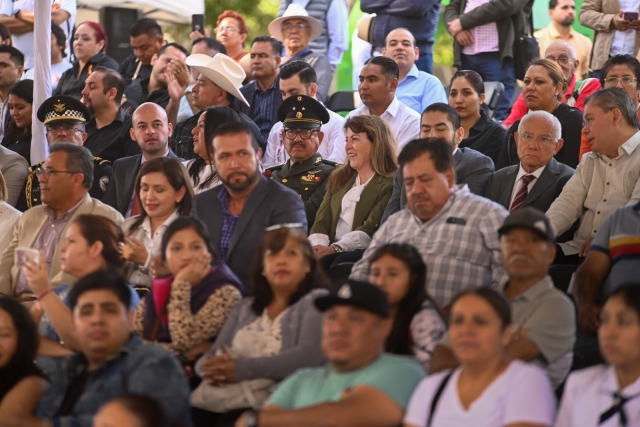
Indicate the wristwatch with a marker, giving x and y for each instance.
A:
(337, 248)
(252, 418)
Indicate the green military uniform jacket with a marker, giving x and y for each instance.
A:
(369, 210)
(30, 195)
(307, 178)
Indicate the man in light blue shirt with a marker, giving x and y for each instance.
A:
(416, 89)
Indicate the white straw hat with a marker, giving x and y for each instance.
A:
(222, 70)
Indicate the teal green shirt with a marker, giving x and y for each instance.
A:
(396, 376)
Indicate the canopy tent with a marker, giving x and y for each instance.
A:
(170, 11)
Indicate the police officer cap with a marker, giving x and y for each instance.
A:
(63, 109)
(302, 111)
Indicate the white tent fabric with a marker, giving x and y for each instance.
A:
(173, 11)
(41, 79)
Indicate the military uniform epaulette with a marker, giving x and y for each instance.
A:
(330, 162)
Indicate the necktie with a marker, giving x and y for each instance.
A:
(135, 208)
(618, 407)
(522, 193)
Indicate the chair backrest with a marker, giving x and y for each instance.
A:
(345, 100)
(493, 92)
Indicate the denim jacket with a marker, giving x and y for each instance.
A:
(137, 368)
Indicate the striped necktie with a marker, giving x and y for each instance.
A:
(522, 193)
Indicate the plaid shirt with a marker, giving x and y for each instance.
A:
(485, 37)
(229, 223)
(460, 245)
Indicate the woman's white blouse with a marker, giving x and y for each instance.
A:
(589, 393)
(260, 338)
(521, 394)
(204, 173)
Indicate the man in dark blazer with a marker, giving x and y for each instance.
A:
(473, 168)
(263, 93)
(238, 212)
(151, 130)
(537, 139)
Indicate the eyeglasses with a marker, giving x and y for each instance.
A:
(304, 133)
(286, 225)
(542, 140)
(65, 129)
(563, 60)
(287, 28)
(220, 30)
(613, 81)
(46, 172)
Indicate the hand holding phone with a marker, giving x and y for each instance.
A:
(197, 23)
(630, 16)
(23, 255)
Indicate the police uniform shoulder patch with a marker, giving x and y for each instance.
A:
(104, 181)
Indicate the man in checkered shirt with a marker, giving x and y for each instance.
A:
(455, 231)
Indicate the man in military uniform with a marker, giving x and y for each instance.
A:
(64, 118)
(306, 171)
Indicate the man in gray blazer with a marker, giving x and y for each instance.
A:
(473, 168)
(238, 211)
(151, 130)
(539, 179)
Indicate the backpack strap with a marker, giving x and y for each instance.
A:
(436, 397)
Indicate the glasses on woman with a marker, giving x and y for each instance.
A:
(613, 81)
(221, 30)
(287, 28)
(304, 133)
(541, 140)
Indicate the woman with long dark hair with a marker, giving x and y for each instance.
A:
(201, 170)
(418, 326)
(276, 329)
(163, 192)
(17, 136)
(466, 95)
(21, 382)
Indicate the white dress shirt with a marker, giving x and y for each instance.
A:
(624, 41)
(517, 185)
(403, 121)
(345, 238)
(331, 148)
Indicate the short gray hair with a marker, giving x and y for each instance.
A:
(611, 98)
(79, 159)
(542, 115)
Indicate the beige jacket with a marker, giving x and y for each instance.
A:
(26, 232)
(598, 15)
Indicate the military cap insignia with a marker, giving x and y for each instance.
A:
(299, 115)
(299, 98)
(59, 108)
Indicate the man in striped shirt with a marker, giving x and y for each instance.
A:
(455, 231)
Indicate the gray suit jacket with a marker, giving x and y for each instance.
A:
(14, 169)
(122, 182)
(472, 168)
(545, 190)
(270, 203)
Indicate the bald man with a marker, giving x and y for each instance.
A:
(151, 129)
(416, 89)
(577, 90)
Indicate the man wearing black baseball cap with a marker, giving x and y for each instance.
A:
(543, 316)
(64, 119)
(361, 385)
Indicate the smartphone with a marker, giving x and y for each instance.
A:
(24, 255)
(630, 16)
(197, 23)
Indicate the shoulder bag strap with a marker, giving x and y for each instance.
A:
(436, 397)
(156, 325)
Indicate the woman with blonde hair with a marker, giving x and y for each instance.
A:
(8, 215)
(357, 193)
(544, 86)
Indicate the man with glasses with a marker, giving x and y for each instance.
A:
(577, 91)
(606, 178)
(296, 29)
(539, 178)
(306, 172)
(65, 179)
(64, 118)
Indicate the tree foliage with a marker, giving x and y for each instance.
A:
(257, 13)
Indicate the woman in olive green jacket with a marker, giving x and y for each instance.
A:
(357, 193)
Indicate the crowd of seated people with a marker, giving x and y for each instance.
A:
(206, 243)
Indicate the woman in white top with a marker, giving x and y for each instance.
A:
(163, 193)
(9, 215)
(418, 326)
(357, 193)
(609, 395)
(201, 170)
(488, 389)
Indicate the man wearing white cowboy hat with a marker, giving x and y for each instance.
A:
(334, 19)
(217, 85)
(295, 29)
